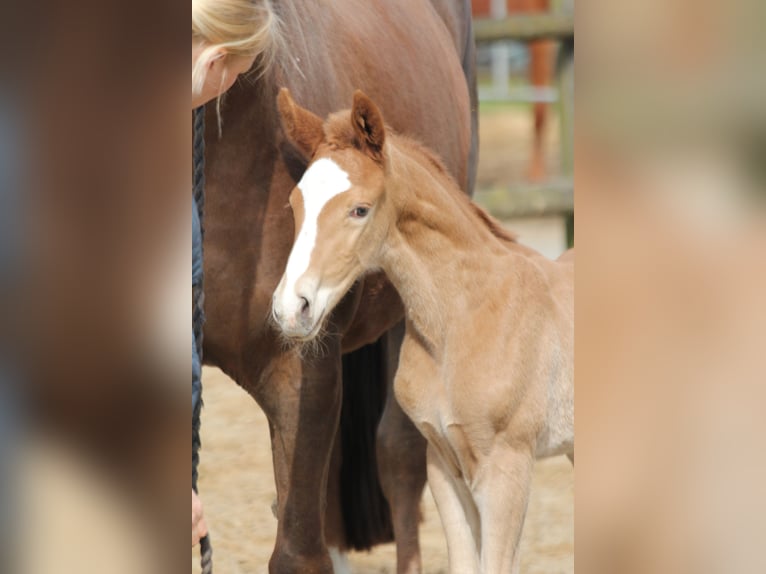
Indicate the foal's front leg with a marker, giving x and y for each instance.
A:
(458, 514)
(501, 491)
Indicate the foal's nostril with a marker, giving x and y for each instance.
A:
(304, 306)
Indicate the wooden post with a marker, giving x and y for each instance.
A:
(566, 119)
(566, 105)
(500, 54)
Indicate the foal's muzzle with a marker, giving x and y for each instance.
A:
(294, 313)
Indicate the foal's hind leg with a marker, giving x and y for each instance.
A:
(401, 452)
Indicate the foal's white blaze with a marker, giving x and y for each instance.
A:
(322, 181)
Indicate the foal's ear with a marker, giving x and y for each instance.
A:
(367, 122)
(302, 127)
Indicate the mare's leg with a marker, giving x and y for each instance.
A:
(401, 453)
(334, 527)
(301, 398)
(457, 512)
(501, 491)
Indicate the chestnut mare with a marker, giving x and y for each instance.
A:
(486, 370)
(417, 59)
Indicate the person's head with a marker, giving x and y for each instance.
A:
(227, 37)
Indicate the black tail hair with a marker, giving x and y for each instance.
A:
(366, 514)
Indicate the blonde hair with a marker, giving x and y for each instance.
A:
(240, 27)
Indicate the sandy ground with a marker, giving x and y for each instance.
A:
(238, 489)
(236, 469)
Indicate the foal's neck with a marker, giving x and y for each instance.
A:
(440, 250)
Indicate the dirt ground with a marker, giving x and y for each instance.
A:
(237, 485)
(236, 478)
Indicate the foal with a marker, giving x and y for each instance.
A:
(486, 368)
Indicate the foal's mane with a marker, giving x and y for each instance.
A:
(435, 163)
(339, 134)
(495, 227)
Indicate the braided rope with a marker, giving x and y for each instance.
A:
(198, 315)
(199, 159)
(206, 555)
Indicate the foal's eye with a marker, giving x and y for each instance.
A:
(359, 212)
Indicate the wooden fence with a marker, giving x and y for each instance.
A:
(524, 28)
(555, 197)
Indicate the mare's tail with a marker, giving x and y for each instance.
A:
(366, 514)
